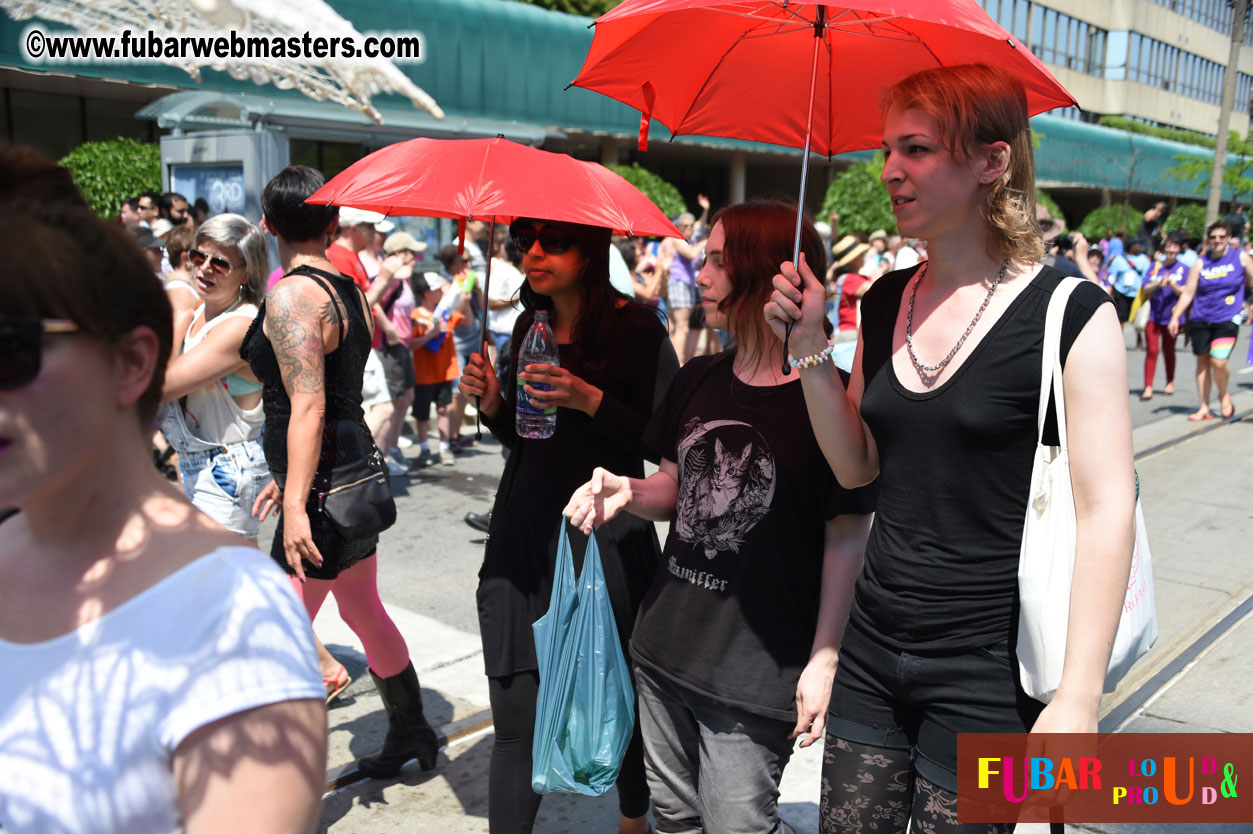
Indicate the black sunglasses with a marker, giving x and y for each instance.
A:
(21, 347)
(217, 264)
(552, 240)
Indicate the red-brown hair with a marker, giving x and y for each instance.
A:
(976, 105)
(758, 238)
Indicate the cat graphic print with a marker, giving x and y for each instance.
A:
(728, 478)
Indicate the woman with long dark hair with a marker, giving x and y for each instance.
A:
(616, 363)
(735, 646)
(942, 408)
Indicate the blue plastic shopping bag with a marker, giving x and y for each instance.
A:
(585, 711)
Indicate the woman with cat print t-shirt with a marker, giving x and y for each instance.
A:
(736, 640)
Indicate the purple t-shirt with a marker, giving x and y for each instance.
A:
(1162, 301)
(1220, 290)
(684, 269)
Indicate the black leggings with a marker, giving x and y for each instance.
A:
(511, 804)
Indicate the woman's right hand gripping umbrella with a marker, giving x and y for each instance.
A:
(479, 380)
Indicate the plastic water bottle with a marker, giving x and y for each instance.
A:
(540, 347)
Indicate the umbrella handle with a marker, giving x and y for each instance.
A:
(483, 337)
(787, 334)
(819, 26)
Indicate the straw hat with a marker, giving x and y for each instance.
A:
(847, 250)
(403, 242)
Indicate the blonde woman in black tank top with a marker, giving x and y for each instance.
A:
(941, 407)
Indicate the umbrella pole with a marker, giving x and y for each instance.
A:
(819, 28)
(483, 332)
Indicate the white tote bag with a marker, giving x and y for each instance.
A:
(1047, 559)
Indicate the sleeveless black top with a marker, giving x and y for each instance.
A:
(345, 437)
(954, 473)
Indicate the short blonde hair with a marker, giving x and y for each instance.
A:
(976, 105)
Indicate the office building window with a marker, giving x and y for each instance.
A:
(1054, 37)
(1158, 64)
(1244, 89)
(1048, 36)
(1215, 14)
(1022, 12)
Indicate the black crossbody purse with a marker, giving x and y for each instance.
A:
(358, 502)
(358, 499)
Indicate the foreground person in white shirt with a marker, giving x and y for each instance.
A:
(159, 676)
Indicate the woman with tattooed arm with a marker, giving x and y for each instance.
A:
(308, 346)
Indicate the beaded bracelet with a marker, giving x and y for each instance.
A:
(814, 360)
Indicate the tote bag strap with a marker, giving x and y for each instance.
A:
(1051, 360)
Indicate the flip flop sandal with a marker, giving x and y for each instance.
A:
(1228, 413)
(337, 684)
(1197, 418)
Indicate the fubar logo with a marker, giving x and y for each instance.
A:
(1132, 777)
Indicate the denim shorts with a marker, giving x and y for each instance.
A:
(224, 482)
(884, 697)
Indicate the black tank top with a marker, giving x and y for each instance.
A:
(345, 436)
(954, 472)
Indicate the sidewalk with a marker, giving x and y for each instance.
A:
(1196, 496)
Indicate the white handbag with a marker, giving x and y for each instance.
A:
(1047, 559)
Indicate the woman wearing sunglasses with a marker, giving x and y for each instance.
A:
(160, 676)
(616, 363)
(736, 641)
(212, 413)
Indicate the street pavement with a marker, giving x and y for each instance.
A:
(1195, 490)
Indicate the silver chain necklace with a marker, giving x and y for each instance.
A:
(934, 370)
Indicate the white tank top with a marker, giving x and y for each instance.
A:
(212, 413)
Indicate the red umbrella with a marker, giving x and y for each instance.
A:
(739, 69)
(493, 180)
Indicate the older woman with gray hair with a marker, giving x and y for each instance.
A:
(211, 412)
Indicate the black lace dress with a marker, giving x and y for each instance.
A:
(345, 437)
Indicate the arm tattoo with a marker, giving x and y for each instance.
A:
(295, 330)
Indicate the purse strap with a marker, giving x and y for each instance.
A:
(1051, 360)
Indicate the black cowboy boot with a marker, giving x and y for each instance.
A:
(409, 736)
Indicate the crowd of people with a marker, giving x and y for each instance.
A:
(831, 573)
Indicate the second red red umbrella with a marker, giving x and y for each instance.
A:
(493, 180)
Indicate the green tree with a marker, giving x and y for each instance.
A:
(1190, 217)
(1237, 181)
(109, 172)
(662, 193)
(587, 8)
(1111, 218)
(1049, 203)
(861, 199)
(1174, 134)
